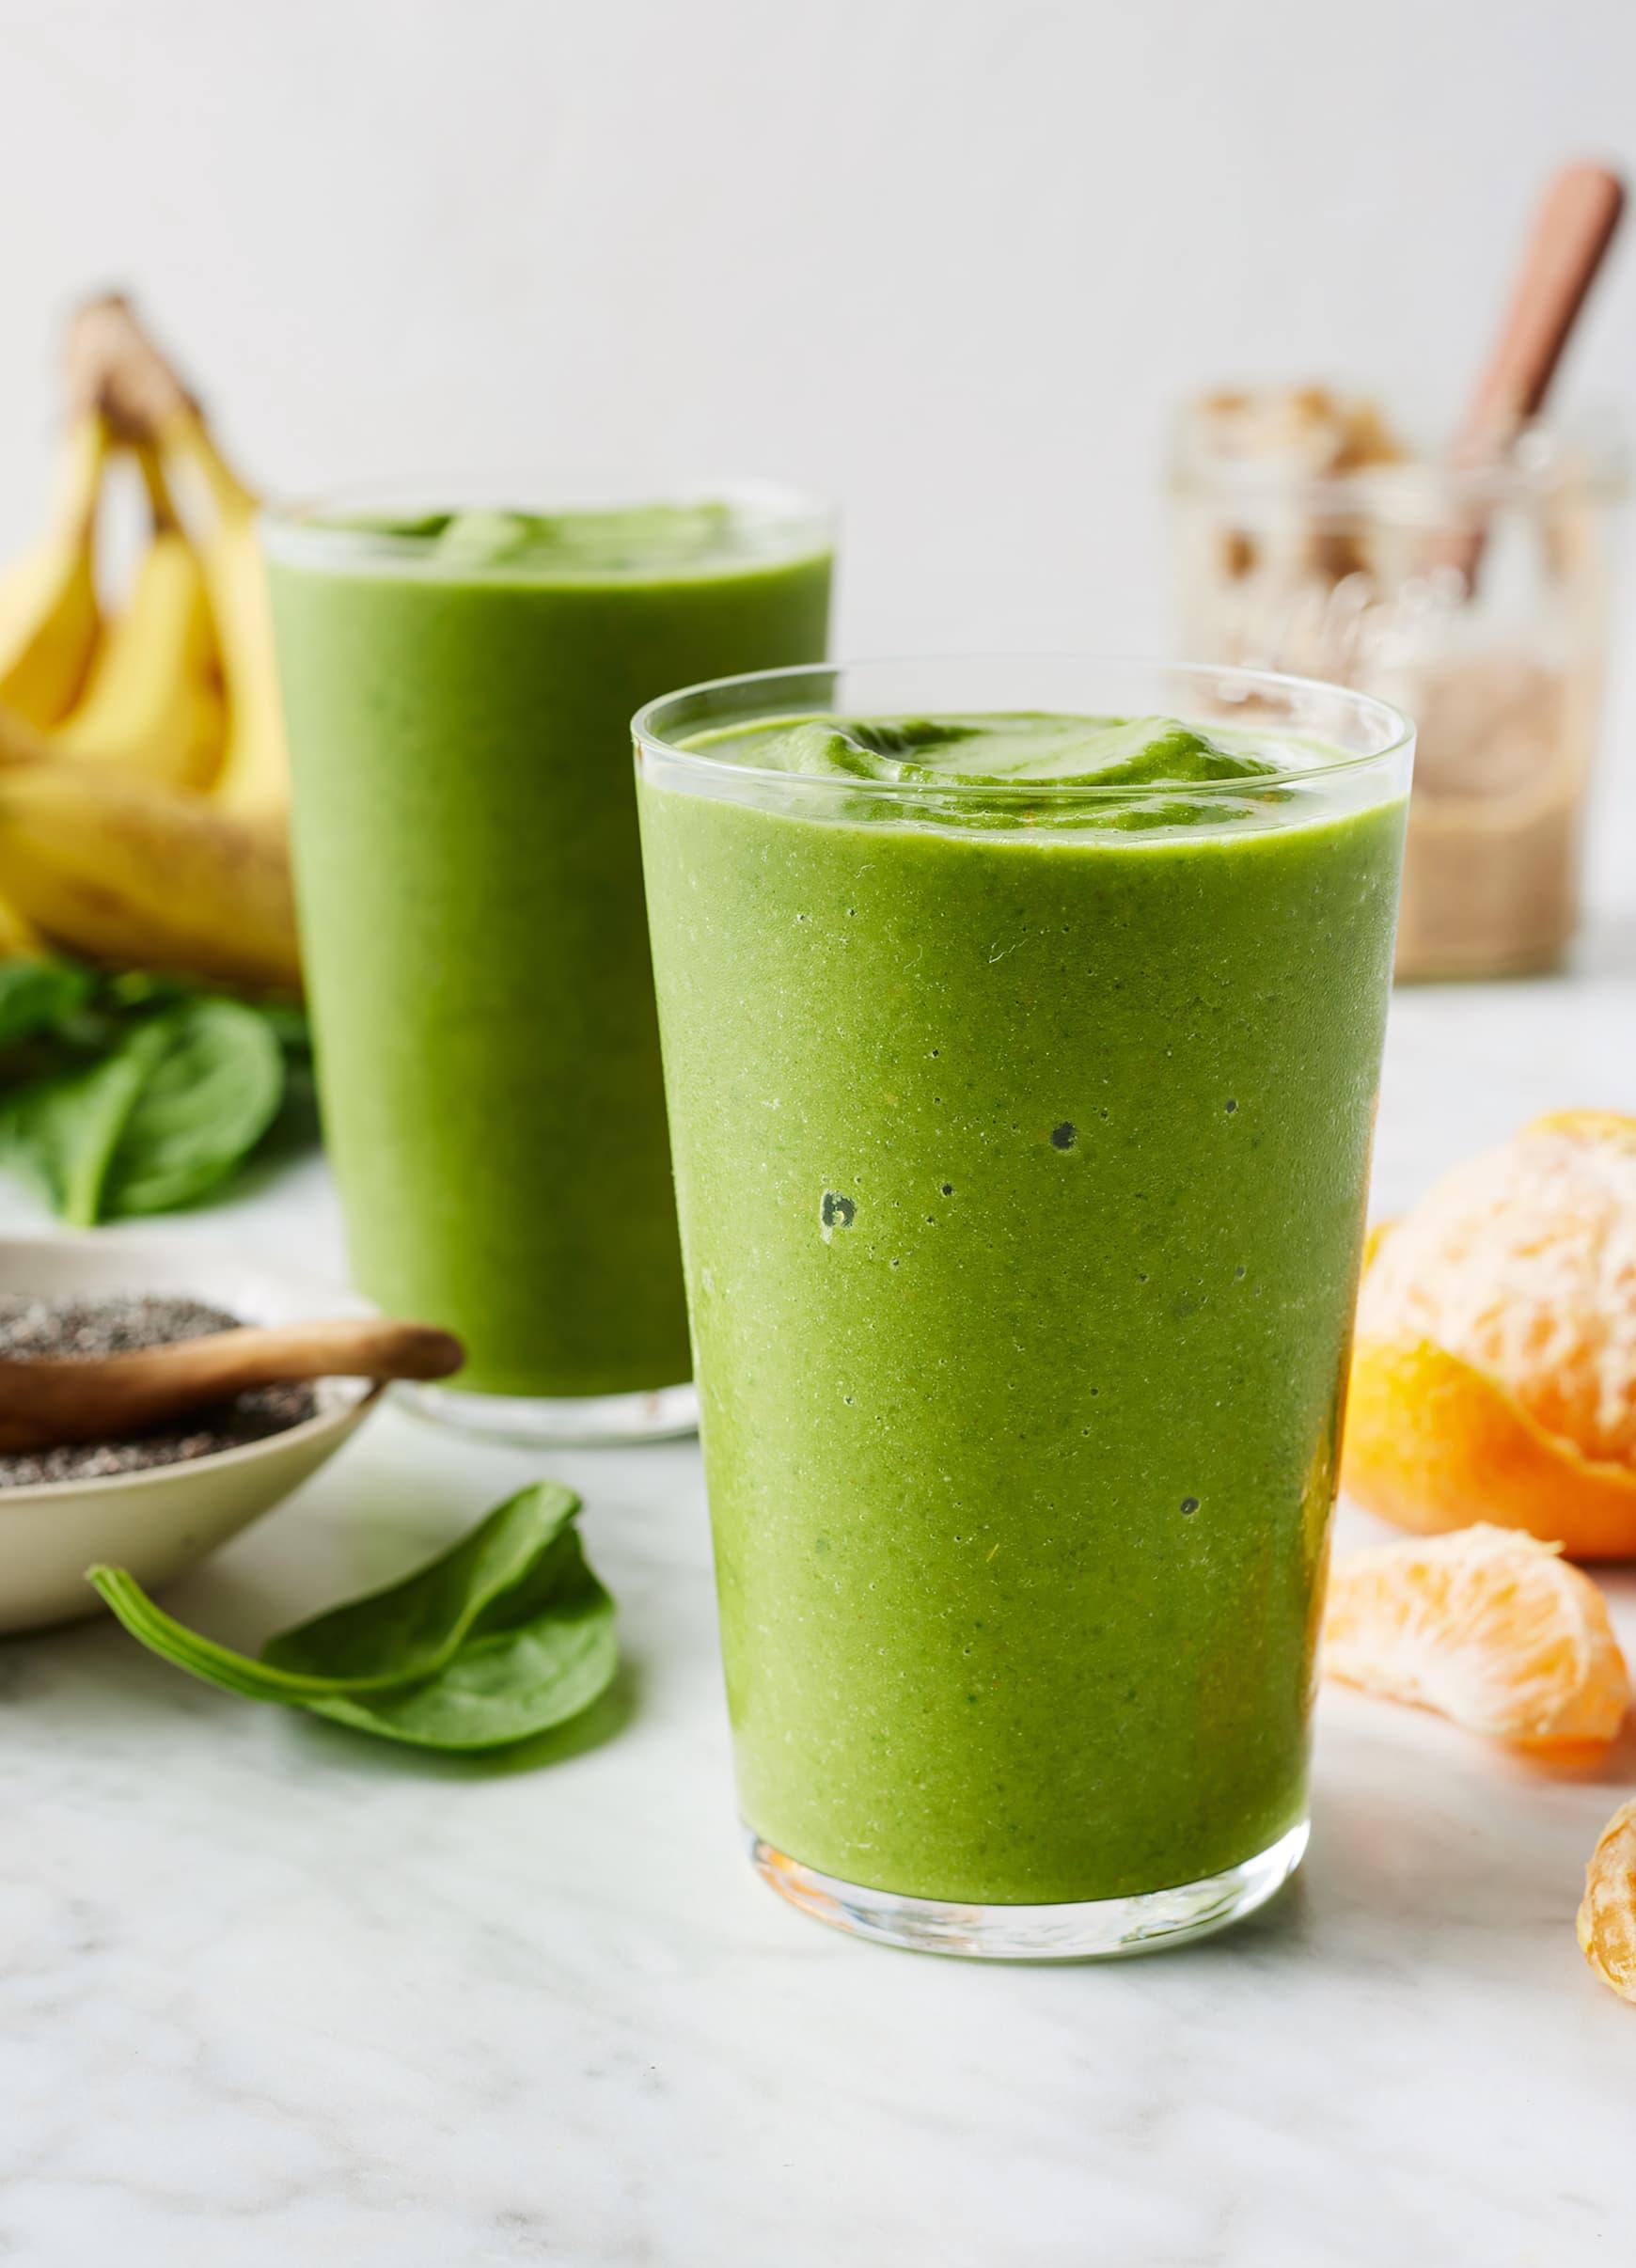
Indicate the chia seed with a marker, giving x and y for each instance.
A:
(124, 1323)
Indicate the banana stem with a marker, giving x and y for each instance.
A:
(114, 366)
(111, 364)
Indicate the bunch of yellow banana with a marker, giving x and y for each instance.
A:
(139, 875)
(143, 782)
(152, 704)
(49, 619)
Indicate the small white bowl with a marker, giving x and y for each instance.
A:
(159, 1521)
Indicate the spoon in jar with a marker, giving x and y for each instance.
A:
(1572, 229)
(52, 1401)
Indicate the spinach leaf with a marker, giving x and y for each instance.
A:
(61, 1131)
(202, 1657)
(210, 1094)
(106, 1118)
(38, 995)
(417, 1624)
(505, 1683)
(173, 1106)
(137, 990)
(287, 1021)
(507, 1633)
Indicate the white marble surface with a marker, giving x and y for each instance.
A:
(270, 1994)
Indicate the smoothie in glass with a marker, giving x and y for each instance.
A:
(1021, 1047)
(458, 688)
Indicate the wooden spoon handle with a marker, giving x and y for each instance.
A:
(47, 1403)
(364, 1347)
(1572, 230)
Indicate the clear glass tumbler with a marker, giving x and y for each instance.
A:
(1021, 1133)
(459, 673)
(1307, 538)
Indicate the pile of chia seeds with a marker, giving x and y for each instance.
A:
(121, 1323)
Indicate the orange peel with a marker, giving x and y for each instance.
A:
(1526, 1260)
(1607, 1917)
(1490, 1628)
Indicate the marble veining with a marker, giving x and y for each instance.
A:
(269, 1993)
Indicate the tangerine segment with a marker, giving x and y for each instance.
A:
(1607, 1919)
(1488, 1627)
(1432, 1444)
(1523, 1263)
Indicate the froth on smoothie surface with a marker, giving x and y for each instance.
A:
(633, 540)
(1014, 748)
(1247, 777)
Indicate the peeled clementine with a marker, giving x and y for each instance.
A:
(1494, 1370)
(1488, 1627)
(1607, 1923)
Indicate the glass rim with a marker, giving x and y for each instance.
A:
(648, 734)
(300, 528)
(1582, 458)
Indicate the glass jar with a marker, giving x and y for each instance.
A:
(1306, 539)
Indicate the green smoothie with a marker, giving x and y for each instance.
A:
(1021, 1072)
(458, 690)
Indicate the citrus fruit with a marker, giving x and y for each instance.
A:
(1494, 1370)
(1490, 1628)
(1607, 1923)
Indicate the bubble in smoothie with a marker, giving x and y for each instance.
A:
(836, 1211)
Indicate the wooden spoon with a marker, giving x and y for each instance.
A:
(48, 1403)
(1572, 230)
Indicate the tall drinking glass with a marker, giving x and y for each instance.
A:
(1021, 1068)
(458, 684)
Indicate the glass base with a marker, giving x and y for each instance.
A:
(660, 1414)
(1100, 1930)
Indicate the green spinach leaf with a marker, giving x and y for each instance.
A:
(61, 1131)
(202, 1657)
(156, 1120)
(416, 1626)
(505, 1683)
(210, 1092)
(38, 997)
(504, 1635)
(287, 1021)
(137, 1093)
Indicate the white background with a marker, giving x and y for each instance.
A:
(950, 261)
